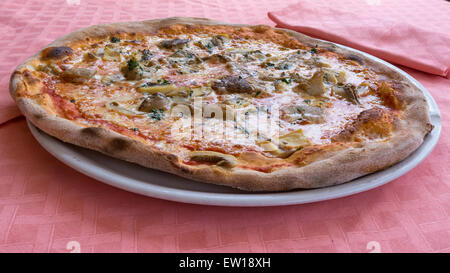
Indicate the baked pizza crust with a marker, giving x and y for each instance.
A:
(331, 167)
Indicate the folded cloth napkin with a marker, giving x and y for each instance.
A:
(413, 33)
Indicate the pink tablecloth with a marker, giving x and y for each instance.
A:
(46, 206)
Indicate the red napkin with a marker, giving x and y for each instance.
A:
(413, 33)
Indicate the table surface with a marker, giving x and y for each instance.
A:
(46, 206)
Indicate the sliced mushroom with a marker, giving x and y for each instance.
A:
(156, 101)
(352, 93)
(132, 70)
(232, 84)
(218, 40)
(78, 75)
(219, 159)
(349, 92)
(173, 43)
(216, 59)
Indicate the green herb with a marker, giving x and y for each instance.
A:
(257, 93)
(157, 67)
(132, 64)
(284, 66)
(157, 114)
(115, 40)
(72, 101)
(134, 129)
(313, 50)
(288, 81)
(300, 109)
(299, 148)
(209, 47)
(307, 101)
(190, 93)
(269, 64)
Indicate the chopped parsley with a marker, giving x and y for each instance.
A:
(134, 129)
(299, 148)
(287, 81)
(313, 50)
(284, 66)
(209, 47)
(300, 109)
(115, 40)
(269, 64)
(72, 101)
(132, 64)
(156, 114)
(190, 93)
(258, 93)
(307, 101)
(163, 82)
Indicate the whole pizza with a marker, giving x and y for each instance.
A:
(251, 107)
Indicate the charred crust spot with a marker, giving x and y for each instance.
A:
(117, 145)
(392, 94)
(29, 78)
(38, 116)
(185, 169)
(374, 122)
(428, 127)
(56, 52)
(369, 115)
(355, 58)
(171, 158)
(91, 131)
(261, 28)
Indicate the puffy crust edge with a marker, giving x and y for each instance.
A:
(336, 168)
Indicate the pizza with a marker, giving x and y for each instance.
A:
(251, 107)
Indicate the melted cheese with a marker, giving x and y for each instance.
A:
(271, 69)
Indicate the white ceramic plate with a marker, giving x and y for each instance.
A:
(137, 179)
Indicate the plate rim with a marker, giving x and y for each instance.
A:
(251, 199)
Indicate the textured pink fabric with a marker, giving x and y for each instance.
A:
(46, 206)
(413, 33)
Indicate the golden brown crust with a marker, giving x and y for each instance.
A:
(337, 164)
